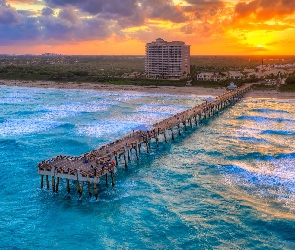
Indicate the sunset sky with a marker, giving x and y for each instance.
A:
(110, 27)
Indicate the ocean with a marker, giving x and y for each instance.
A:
(227, 184)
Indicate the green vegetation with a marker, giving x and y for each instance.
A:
(290, 80)
(147, 82)
(264, 87)
(287, 88)
(289, 85)
(117, 69)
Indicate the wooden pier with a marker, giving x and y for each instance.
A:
(91, 167)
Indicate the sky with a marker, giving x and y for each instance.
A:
(123, 27)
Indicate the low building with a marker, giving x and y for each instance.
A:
(210, 76)
(207, 76)
(235, 75)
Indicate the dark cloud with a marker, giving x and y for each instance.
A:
(203, 5)
(265, 9)
(20, 33)
(47, 11)
(69, 14)
(115, 7)
(127, 13)
(204, 2)
(168, 12)
(69, 26)
(27, 12)
(49, 29)
(8, 15)
(204, 9)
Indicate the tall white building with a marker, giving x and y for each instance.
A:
(167, 59)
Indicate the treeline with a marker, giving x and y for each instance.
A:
(63, 73)
(55, 73)
(289, 84)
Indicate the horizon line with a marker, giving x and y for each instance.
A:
(141, 55)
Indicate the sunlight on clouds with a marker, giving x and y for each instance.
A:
(181, 3)
(135, 29)
(209, 26)
(26, 5)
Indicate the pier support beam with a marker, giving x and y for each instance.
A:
(172, 134)
(125, 161)
(47, 182)
(41, 185)
(79, 189)
(53, 184)
(113, 179)
(165, 136)
(136, 150)
(68, 186)
(107, 181)
(89, 189)
(116, 159)
(196, 121)
(95, 191)
(57, 183)
(82, 187)
(178, 126)
(184, 123)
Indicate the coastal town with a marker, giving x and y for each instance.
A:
(163, 60)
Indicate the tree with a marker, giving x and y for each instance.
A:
(290, 80)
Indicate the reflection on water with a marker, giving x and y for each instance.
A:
(228, 184)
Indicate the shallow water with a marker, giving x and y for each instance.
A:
(229, 184)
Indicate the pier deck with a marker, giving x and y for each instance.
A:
(92, 166)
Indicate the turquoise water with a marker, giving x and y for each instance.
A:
(228, 184)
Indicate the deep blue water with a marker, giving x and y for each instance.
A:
(229, 184)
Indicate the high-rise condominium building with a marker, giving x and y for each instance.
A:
(167, 59)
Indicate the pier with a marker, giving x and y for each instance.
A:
(89, 168)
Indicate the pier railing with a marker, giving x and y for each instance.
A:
(92, 166)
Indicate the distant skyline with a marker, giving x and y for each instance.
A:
(123, 27)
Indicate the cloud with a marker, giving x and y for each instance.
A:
(47, 11)
(67, 26)
(94, 7)
(128, 13)
(169, 13)
(265, 9)
(69, 14)
(8, 15)
(195, 21)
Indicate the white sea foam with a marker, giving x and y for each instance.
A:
(14, 127)
(140, 118)
(161, 109)
(105, 128)
(55, 115)
(80, 107)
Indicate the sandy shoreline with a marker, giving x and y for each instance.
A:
(149, 89)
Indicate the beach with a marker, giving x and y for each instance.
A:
(202, 91)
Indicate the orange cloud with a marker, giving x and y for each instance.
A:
(265, 9)
(110, 27)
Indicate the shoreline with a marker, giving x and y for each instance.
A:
(202, 91)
